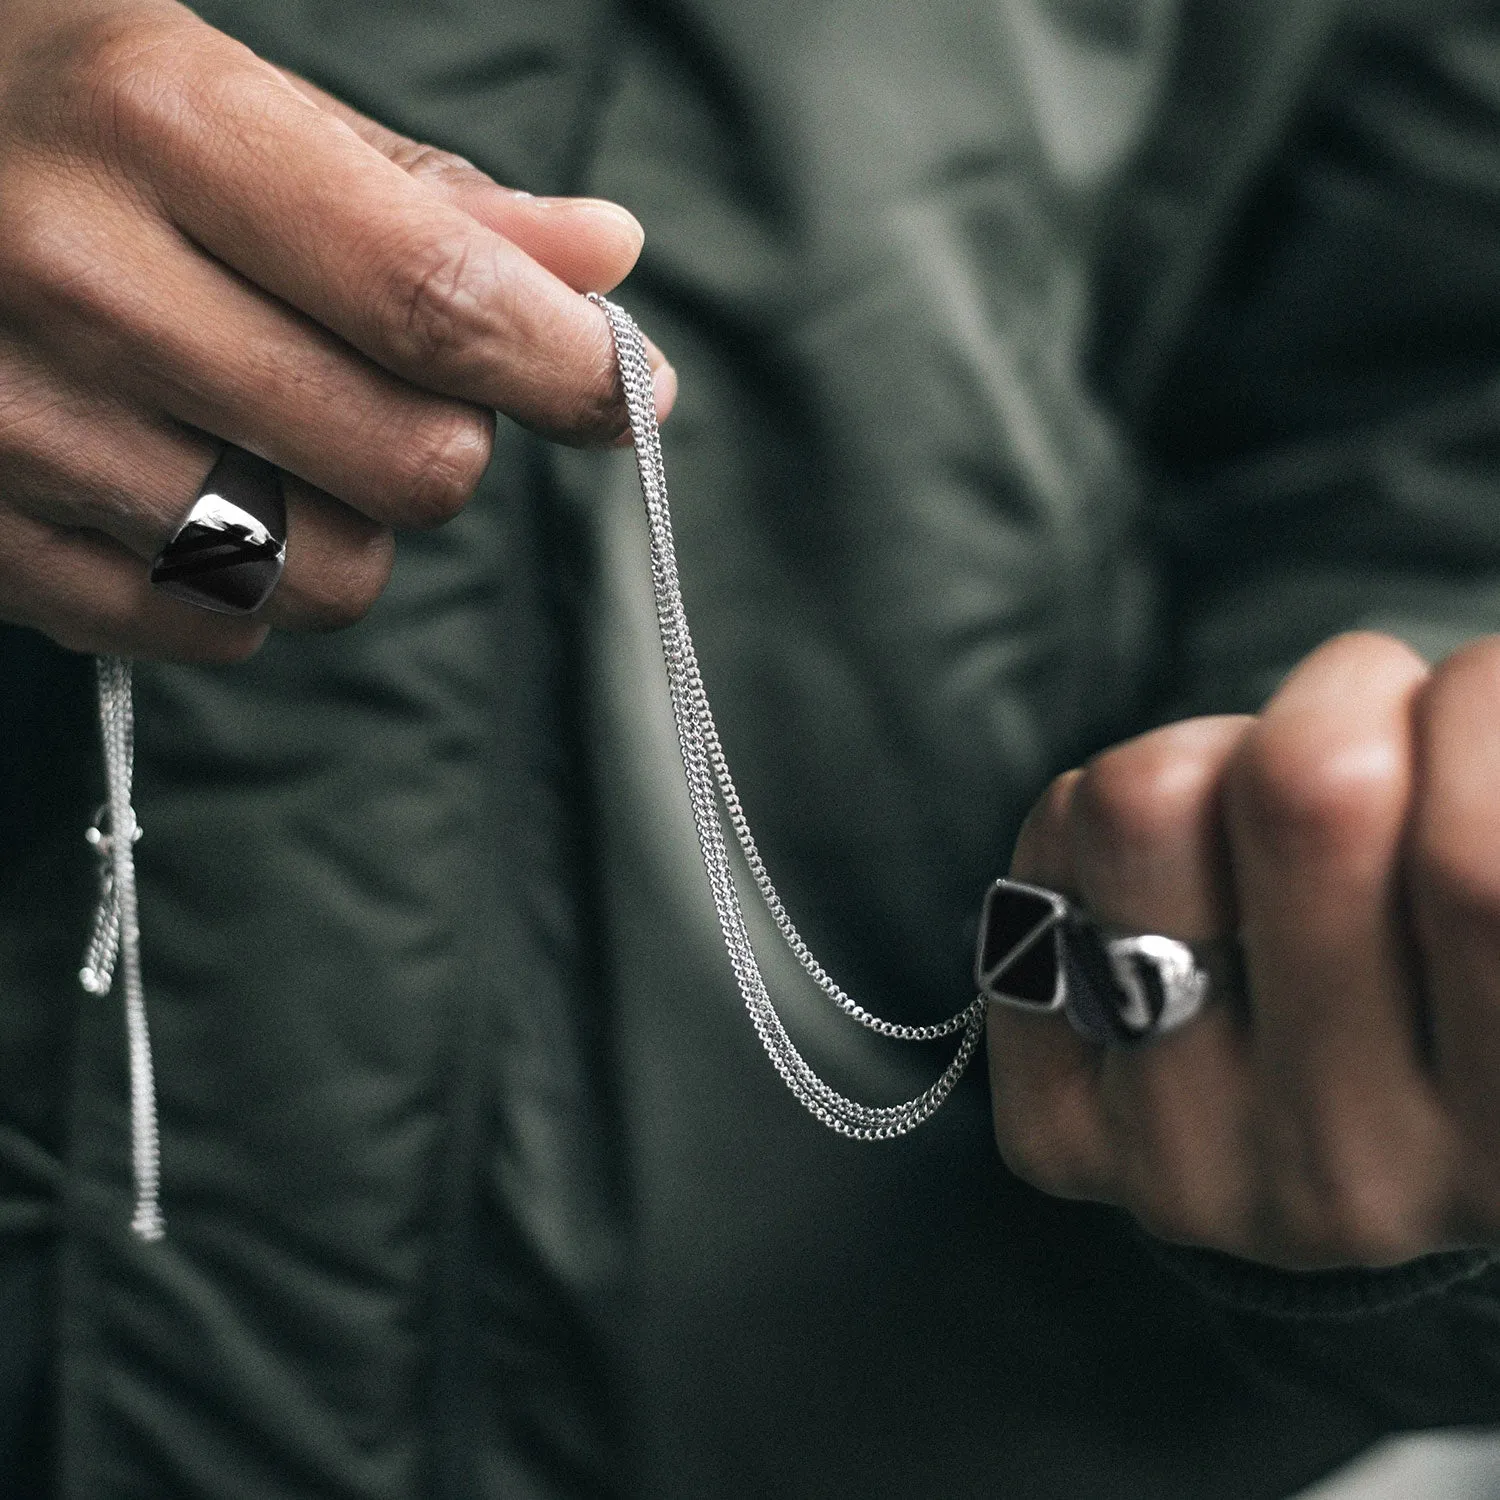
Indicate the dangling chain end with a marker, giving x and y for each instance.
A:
(148, 1225)
(114, 944)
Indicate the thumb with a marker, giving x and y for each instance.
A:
(587, 243)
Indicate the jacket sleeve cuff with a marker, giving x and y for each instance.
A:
(1247, 1287)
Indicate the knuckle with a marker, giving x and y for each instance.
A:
(119, 78)
(444, 464)
(435, 302)
(1297, 787)
(51, 276)
(136, 101)
(594, 411)
(34, 419)
(1137, 796)
(342, 591)
(430, 162)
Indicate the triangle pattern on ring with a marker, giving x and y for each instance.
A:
(1019, 957)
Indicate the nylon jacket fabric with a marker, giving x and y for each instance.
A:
(477, 1183)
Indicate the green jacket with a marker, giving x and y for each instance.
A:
(1048, 367)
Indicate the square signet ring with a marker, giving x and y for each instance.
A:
(1039, 952)
(228, 554)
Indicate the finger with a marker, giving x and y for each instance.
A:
(589, 243)
(338, 563)
(1147, 831)
(1455, 892)
(121, 303)
(1048, 1123)
(90, 594)
(295, 201)
(1318, 802)
(1149, 855)
(80, 464)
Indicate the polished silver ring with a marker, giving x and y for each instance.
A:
(1039, 952)
(228, 553)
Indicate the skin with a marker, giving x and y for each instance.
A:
(196, 247)
(1345, 1113)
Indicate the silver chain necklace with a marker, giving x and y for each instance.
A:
(115, 939)
(710, 784)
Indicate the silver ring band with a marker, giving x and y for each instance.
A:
(228, 553)
(1039, 952)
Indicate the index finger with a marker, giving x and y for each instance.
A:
(291, 197)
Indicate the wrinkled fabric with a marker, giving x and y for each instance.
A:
(476, 1179)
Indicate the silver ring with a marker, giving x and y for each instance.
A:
(228, 553)
(1040, 953)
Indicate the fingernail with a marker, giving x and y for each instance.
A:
(598, 208)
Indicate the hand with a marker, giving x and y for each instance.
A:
(195, 248)
(1348, 1112)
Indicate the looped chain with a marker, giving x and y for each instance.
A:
(115, 940)
(709, 784)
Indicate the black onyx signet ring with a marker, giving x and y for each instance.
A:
(228, 553)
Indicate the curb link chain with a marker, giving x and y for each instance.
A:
(709, 784)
